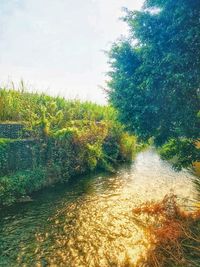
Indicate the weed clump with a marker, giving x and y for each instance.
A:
(173, 233)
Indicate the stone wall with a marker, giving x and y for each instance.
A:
(13, 131)
(15, 153)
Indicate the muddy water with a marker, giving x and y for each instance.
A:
(89, 222)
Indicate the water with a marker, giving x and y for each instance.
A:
(90, 222)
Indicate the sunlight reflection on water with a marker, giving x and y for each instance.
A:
(96, 227)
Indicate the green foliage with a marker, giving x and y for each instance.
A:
(182, 152)
(71, 138)
(19, 184)
(94, 154)
(155, 77)
(46, 114)
(128, 146)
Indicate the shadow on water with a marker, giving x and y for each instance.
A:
(88, 221)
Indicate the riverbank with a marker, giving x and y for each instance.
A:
(45, 140)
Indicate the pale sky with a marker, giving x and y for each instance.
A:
(56, 46)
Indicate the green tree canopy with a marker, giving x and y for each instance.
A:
(155, 73)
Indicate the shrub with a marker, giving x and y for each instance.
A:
(12, 187)
(182, 152)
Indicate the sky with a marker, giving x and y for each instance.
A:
(56, 46)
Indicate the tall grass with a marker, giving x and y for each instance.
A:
(20, 105)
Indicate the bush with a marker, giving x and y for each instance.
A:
(182, 152)
(14, 186)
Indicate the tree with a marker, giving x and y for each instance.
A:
(155, 74)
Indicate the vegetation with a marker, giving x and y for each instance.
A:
(14, 187)
(154, 84)
(71, 138)
(155, 76)
(173, 233)
(182, 152)
(154, 91)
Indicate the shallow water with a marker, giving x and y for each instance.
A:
(89, 221)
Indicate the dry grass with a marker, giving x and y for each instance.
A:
(173, 234)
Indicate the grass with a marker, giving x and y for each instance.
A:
(173, 234)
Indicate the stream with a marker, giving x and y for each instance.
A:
(89, 221)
